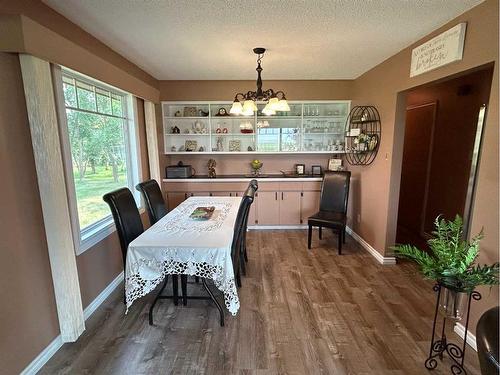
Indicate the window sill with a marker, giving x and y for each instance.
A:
(100, 232)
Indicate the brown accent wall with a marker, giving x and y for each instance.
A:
(376, 187)
(28, 316)
(28, 322)
(30, 26)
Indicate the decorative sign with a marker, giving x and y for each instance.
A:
(440, 50)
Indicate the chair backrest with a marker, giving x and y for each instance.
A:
(126, 215)
(487, 341)
(155, 204)
(335, 191)
(250, 192)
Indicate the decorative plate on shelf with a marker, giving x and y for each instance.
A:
(235, 145)
(191, 145)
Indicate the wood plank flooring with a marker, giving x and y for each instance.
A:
(301, 313)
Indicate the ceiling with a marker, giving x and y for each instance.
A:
(213, 39)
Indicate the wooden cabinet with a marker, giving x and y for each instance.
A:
(276, 203)
(175, 198)
(289, 207)
(268, 208)
(309, 204)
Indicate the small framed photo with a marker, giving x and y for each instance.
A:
(335, 164)
(316, 170)
(300, 168)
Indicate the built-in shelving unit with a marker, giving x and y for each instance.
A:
(315, 127)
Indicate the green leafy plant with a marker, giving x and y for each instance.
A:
(451, 260)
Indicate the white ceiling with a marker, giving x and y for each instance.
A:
(213, 39)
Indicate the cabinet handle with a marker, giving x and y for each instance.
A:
(230, 194)
(210, 194)
(281, 195)
(185, 195)
(301, 193)
(276, 195)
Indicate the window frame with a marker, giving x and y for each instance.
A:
(94, 233)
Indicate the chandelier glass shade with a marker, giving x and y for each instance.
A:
(244, 104)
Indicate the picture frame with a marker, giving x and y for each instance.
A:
(335, 164)
(300, 169)
(191, 145)
(316, 170)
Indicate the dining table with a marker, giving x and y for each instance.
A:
(179, 244)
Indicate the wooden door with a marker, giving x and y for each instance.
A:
(309, 205)
(174, 199)
(268, 207)
(289, 207)
(417, 153)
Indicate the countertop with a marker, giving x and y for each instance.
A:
(247, 177)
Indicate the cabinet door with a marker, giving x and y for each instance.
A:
(289, 207)
(252, 215)
(309, 204)
(175, 199)
(268, 208)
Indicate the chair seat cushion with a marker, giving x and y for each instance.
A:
(327, 219)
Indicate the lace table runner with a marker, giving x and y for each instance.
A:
(178, 244)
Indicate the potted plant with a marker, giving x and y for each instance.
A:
(450, 263)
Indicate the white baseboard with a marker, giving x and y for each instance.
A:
(42, 358)
(460, 331)
(379, 257)
(277, 227)
(89, 310)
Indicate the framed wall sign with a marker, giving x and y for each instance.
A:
(335, 164)
(441, 50)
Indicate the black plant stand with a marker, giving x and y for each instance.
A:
(441, 345)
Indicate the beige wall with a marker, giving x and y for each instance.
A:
(30, 26)
(28, 316)
(376, 187)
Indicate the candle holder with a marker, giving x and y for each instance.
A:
(440, 346)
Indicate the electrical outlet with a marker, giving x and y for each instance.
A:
(359, 218)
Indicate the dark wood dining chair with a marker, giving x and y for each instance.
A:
(333, 206)
(236, 247)
(250, 192)
(129, 226)
(156, 208)
(155, 204)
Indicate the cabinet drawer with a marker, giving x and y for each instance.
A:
(311, 186)
(291, 186)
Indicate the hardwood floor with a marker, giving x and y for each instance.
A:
(301, 313)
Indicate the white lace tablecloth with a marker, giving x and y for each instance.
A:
(178, 244)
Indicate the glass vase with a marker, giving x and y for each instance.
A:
(452, 303)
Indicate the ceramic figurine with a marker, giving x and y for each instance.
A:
(201, 149)
(211, 168)
(176, 130)
(220, 144)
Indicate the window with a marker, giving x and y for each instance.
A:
(101, 135)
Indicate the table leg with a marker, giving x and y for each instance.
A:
(175, 289)
(184, 280)
(221, 312)
(156, 300)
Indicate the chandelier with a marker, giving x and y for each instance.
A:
(244, 104)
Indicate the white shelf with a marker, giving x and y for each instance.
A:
(209, 140)
(188, 135)
(250, 152)
(187, 118)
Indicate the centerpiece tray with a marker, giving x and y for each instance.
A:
(202, 213)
